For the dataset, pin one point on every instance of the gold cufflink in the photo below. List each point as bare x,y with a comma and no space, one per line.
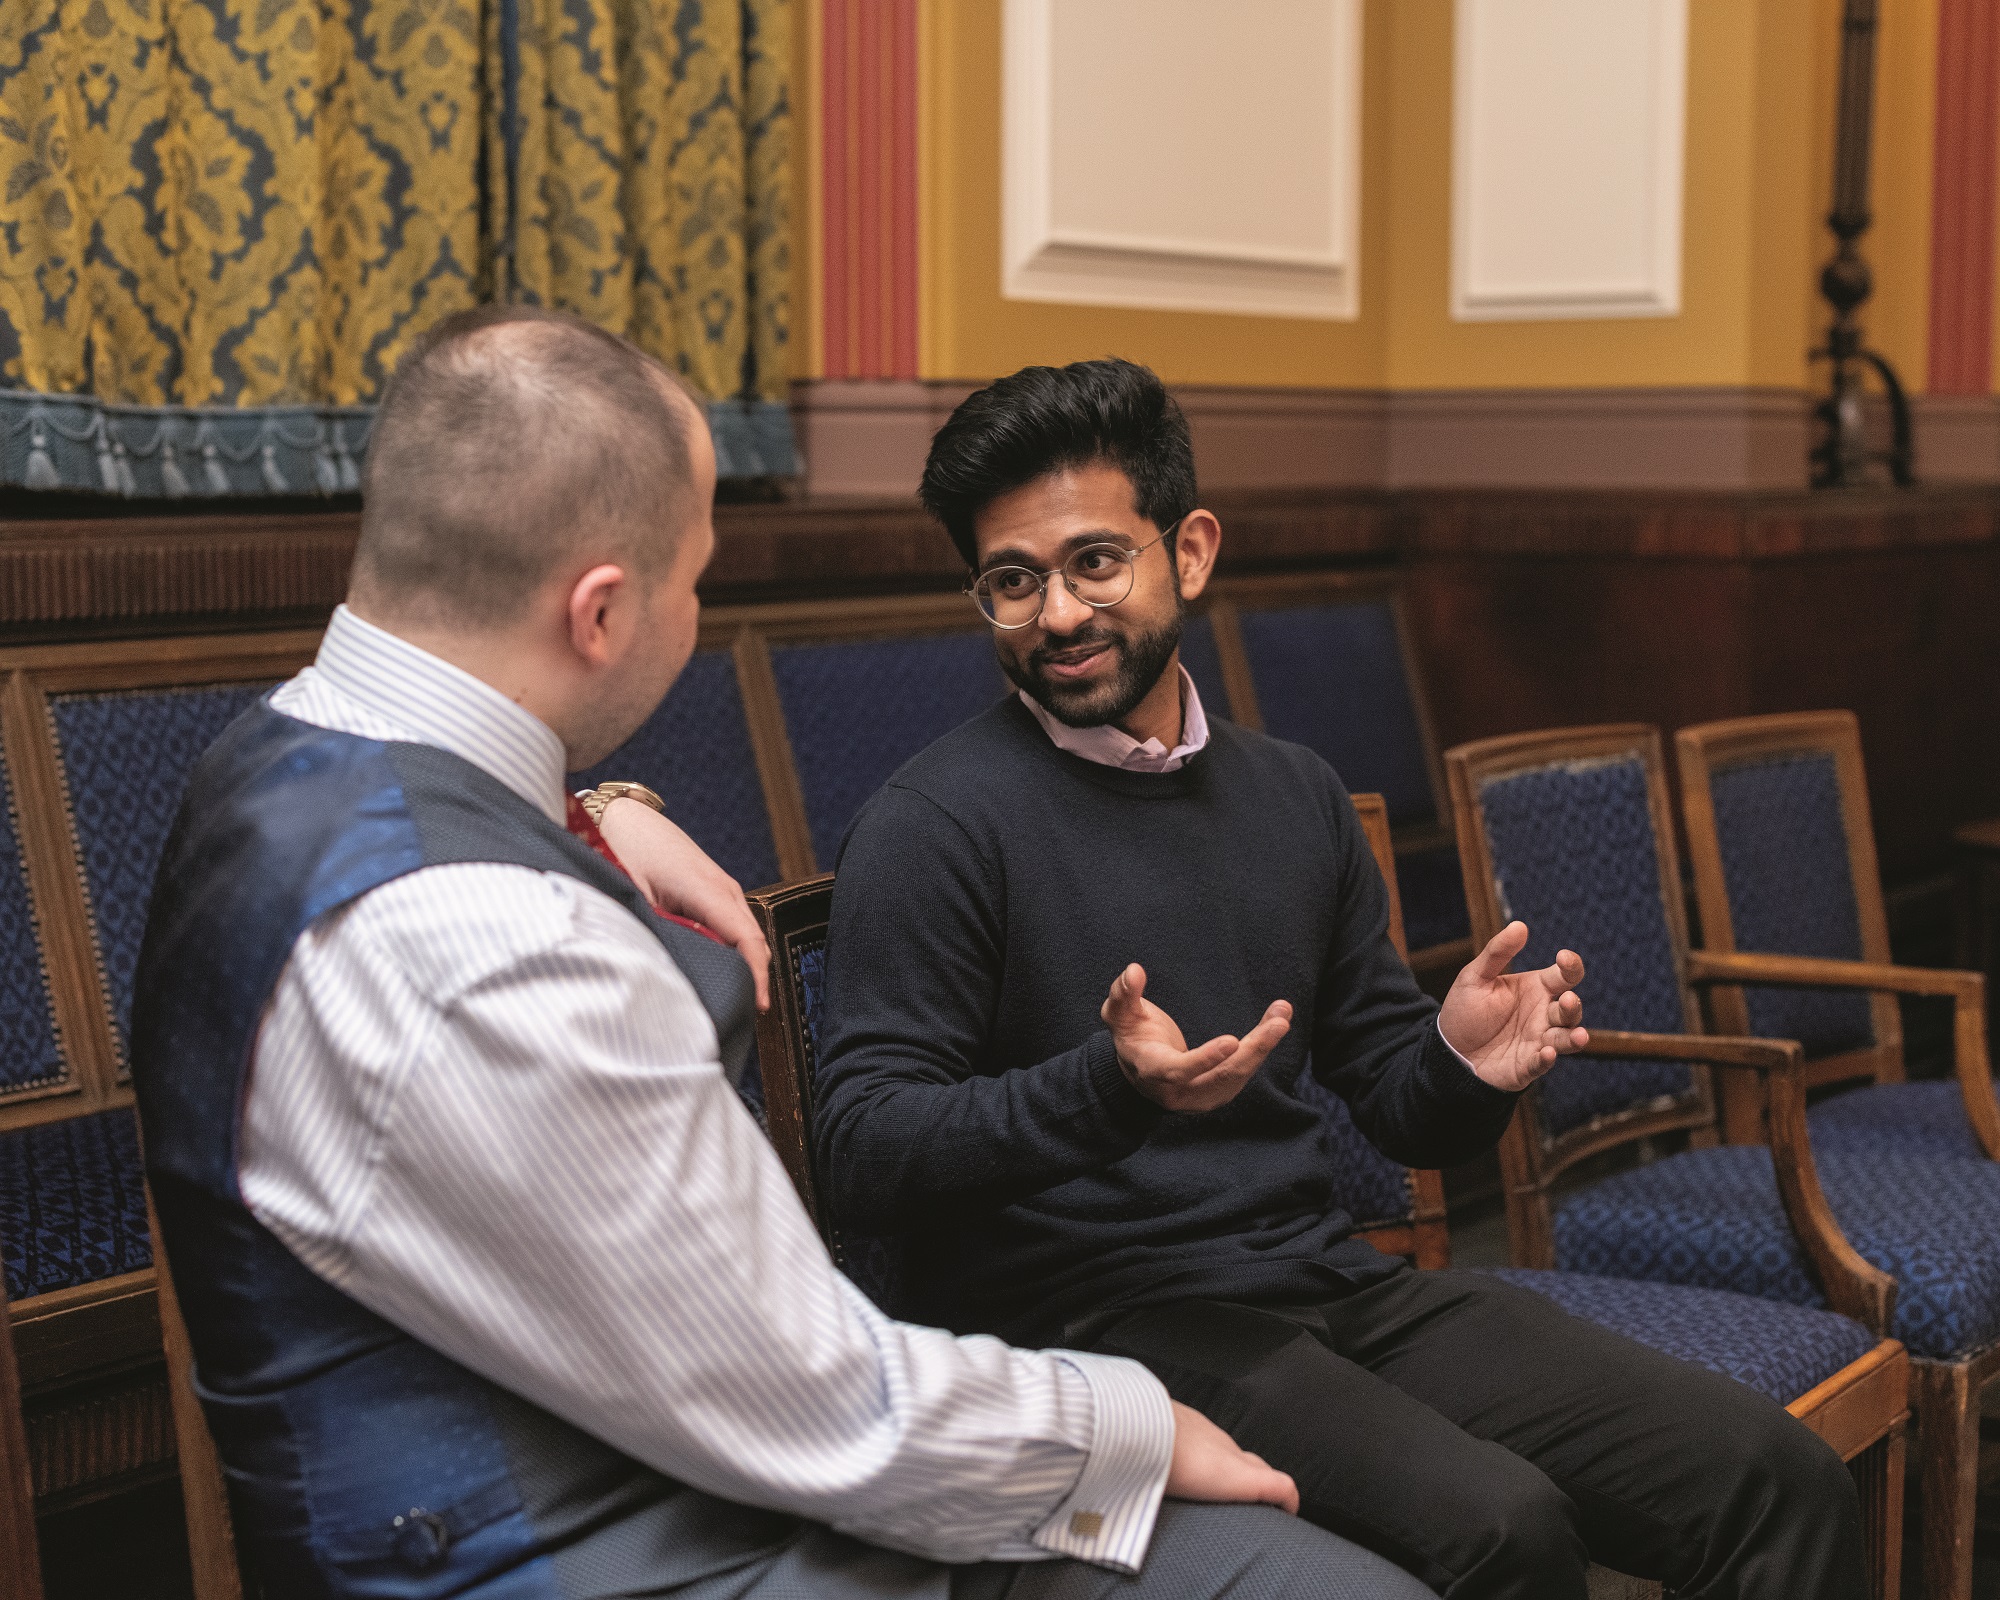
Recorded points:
1086,1524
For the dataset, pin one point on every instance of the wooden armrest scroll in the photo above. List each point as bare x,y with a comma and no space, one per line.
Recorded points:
1852,1285
1965,990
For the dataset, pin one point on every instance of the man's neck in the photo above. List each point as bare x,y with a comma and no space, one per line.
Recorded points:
1161,715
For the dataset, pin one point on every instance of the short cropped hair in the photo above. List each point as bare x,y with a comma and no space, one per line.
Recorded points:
511,440
1050,419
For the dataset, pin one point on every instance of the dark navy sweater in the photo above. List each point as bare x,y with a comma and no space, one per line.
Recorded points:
970,1099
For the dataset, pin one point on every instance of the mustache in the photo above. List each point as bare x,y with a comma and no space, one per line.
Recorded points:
1089,634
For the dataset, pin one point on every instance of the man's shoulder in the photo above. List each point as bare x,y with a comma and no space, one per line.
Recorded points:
1233,745
965,767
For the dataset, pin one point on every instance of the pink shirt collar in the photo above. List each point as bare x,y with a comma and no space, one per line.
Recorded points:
1113,747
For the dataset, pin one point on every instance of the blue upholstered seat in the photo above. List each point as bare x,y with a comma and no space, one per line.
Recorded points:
1782,1351
1712,1218
695,752
29,1052
855,712
1917,1119
126,758
72,1203
1433,897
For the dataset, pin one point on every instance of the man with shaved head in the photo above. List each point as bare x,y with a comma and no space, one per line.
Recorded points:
495,1289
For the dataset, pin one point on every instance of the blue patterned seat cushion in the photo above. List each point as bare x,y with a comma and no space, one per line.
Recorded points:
1903,1118
1712,1218
1433,897
1331,678
29,1055
72,1203
1791,892
1573,852
694,751
126,760
1782,1351
856,712
1367,1185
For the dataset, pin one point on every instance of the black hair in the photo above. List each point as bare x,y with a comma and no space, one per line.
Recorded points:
1048,419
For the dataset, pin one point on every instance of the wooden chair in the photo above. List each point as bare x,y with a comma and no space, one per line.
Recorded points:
1795,943
20,1550
1790,898
1853,1390
1570,831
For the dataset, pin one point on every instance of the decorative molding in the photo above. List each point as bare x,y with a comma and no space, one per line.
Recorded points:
1598,439
1958,438
1568,126
1060,244
868,188
1965,155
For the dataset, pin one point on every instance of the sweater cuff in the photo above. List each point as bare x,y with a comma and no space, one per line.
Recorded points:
1126,1110
1449,1078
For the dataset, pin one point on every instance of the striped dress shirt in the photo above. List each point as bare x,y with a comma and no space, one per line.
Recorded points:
486,1105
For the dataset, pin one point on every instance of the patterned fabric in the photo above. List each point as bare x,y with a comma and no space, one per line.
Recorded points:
1367,1185
1331,678
1573,851
1781,1351
1712,1218
694,751
223,221
1433,897
1204,665
857,712
72,1203
29,1052
1791,892
1896,1118
126,758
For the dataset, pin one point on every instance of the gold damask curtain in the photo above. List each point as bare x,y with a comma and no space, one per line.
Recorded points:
222,221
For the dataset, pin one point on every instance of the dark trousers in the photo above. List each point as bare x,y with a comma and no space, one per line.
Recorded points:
1494,1445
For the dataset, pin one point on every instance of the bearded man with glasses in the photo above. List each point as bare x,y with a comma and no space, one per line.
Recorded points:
1028,917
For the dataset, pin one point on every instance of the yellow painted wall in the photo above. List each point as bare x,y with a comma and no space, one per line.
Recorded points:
1761,88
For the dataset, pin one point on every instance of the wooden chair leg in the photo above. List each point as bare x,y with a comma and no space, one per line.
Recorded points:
1878,1475
20,1550
1947,1408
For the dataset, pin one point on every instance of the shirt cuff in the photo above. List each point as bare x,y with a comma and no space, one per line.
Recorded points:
1107,1517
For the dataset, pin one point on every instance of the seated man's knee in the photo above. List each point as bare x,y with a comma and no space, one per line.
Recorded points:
1523,1526
1253,1552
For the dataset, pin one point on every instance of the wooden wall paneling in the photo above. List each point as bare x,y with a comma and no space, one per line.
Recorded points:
77,993
784,802
20,1552
90,1328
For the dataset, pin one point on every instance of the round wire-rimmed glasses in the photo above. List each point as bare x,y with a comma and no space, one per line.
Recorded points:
1100,575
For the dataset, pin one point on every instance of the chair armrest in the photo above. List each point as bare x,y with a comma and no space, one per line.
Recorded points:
1965,990
1853,1285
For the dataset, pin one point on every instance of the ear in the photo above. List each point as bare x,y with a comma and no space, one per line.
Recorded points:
1195,549
598,625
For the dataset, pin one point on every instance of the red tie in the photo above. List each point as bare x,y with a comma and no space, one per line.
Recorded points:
578,822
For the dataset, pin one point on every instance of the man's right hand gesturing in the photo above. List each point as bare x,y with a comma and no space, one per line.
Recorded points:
1209,1465
1160,1065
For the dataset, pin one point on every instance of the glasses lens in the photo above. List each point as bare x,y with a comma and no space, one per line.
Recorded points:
1100,574
1010,596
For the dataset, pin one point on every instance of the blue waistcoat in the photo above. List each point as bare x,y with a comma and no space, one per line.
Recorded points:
361,1462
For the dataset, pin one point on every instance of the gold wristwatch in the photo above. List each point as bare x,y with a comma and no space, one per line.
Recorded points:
595,800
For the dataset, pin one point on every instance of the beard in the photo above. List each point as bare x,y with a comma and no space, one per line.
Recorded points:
1138,661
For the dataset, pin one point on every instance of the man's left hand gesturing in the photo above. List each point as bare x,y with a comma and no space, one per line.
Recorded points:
1512,1025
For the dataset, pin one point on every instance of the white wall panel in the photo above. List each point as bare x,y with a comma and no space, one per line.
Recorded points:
1184,154
1568,122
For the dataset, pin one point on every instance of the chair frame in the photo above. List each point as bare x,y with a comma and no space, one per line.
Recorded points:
20,1549
1947,1393
1533,1163
1700,752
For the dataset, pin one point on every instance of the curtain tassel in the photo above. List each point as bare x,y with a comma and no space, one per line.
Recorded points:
325,473
350,478
274,480
173,482
107,468
212,470
122,466
42,472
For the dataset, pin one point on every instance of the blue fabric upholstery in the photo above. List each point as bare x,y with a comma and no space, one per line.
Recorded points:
1712,1218
857,712
1791,892
694,751
126,759
1204,665
1433,897
1781,1351
1367,1185
1896,1118
1331,678
1572,849
72,1203
29,1054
